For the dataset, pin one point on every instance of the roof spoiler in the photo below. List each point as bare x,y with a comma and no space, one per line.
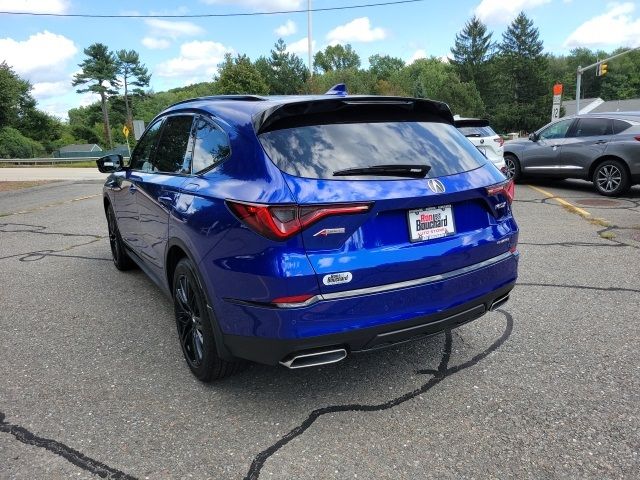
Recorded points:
343,109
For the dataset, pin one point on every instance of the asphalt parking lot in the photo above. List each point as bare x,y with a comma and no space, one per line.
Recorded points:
93,383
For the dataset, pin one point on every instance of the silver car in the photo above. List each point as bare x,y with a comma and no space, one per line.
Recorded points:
603,148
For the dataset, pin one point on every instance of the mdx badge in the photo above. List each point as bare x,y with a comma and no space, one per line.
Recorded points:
435,185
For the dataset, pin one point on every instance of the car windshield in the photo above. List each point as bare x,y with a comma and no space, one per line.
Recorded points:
318,151
477,131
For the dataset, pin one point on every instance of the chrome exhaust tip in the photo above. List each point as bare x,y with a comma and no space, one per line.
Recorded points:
498,302
314,359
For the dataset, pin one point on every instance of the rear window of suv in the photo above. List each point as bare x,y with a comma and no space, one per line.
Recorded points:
477,131
317,151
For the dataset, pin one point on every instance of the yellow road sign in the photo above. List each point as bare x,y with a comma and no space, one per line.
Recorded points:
125,131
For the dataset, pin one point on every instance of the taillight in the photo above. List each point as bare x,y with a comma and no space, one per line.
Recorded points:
280,222
506,188
637,137
499,141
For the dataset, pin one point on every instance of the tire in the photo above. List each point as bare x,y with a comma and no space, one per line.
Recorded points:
611,178
121,258
513,167
195,331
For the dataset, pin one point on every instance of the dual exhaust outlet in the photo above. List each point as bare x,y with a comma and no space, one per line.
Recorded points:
334,355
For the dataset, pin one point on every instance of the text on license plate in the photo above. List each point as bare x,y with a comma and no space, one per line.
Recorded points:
432,222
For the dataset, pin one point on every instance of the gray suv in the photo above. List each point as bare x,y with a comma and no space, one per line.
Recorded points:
603,148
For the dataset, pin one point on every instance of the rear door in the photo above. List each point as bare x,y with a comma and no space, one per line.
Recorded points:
415,227
586,141
160,186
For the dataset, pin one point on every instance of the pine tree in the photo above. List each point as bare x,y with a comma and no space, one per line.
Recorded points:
471,51
524,77
133,74
100,74
285,72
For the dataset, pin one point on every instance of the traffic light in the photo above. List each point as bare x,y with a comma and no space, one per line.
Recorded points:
602,70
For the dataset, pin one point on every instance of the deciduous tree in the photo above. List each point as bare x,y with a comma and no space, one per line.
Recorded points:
336,57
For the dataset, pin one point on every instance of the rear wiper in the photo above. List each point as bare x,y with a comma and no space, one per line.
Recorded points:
472,135
411,171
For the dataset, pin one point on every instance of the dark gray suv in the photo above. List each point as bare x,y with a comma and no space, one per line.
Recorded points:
603,148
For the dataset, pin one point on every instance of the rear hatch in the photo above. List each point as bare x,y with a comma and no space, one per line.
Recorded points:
480,133
423,206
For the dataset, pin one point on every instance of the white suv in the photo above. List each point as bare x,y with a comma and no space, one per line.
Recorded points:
480,133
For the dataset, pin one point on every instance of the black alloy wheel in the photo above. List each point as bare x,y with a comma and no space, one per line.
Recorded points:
194,326
121,258
611,178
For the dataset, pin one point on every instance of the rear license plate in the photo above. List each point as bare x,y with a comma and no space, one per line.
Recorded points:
432,222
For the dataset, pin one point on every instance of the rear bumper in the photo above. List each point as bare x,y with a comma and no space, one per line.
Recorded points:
368,320
271,351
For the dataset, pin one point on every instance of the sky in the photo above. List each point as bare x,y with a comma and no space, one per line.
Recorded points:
180,51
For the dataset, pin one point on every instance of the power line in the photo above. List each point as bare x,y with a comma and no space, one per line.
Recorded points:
209,15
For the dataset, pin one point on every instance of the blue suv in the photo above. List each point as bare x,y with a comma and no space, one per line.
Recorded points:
300,229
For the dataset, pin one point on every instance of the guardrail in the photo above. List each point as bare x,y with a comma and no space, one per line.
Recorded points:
46,161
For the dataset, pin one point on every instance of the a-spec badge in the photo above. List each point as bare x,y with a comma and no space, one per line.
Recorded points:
337,278
328,231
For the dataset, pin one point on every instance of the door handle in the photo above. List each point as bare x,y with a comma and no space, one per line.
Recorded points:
165,200
600,142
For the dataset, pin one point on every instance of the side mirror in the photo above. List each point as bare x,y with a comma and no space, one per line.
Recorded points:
110,163
533,137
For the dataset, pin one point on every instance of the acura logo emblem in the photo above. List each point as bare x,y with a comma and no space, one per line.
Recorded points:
435,185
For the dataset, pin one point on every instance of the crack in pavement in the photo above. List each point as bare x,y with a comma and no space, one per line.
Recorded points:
580,287
74,456
41,254
55,204
439,375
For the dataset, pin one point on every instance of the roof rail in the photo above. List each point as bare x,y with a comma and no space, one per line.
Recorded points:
245,98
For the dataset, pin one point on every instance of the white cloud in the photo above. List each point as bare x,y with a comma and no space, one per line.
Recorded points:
197,60
418,54
358,30
301,46
171,29
289,28
154,43
614,27
40,58
259,5
39,6
42,90
500,11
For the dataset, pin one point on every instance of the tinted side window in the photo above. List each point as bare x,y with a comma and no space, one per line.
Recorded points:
171,153
593,127
620,126
557,130
143,153
211,145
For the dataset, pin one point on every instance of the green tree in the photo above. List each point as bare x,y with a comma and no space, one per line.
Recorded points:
623,78
523,75
15,145
239,76
434,79
284,72
336,57
134,74
472,51
385,66
100,75
15,97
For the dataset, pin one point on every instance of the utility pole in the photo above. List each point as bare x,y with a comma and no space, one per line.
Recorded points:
309,41
581,70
